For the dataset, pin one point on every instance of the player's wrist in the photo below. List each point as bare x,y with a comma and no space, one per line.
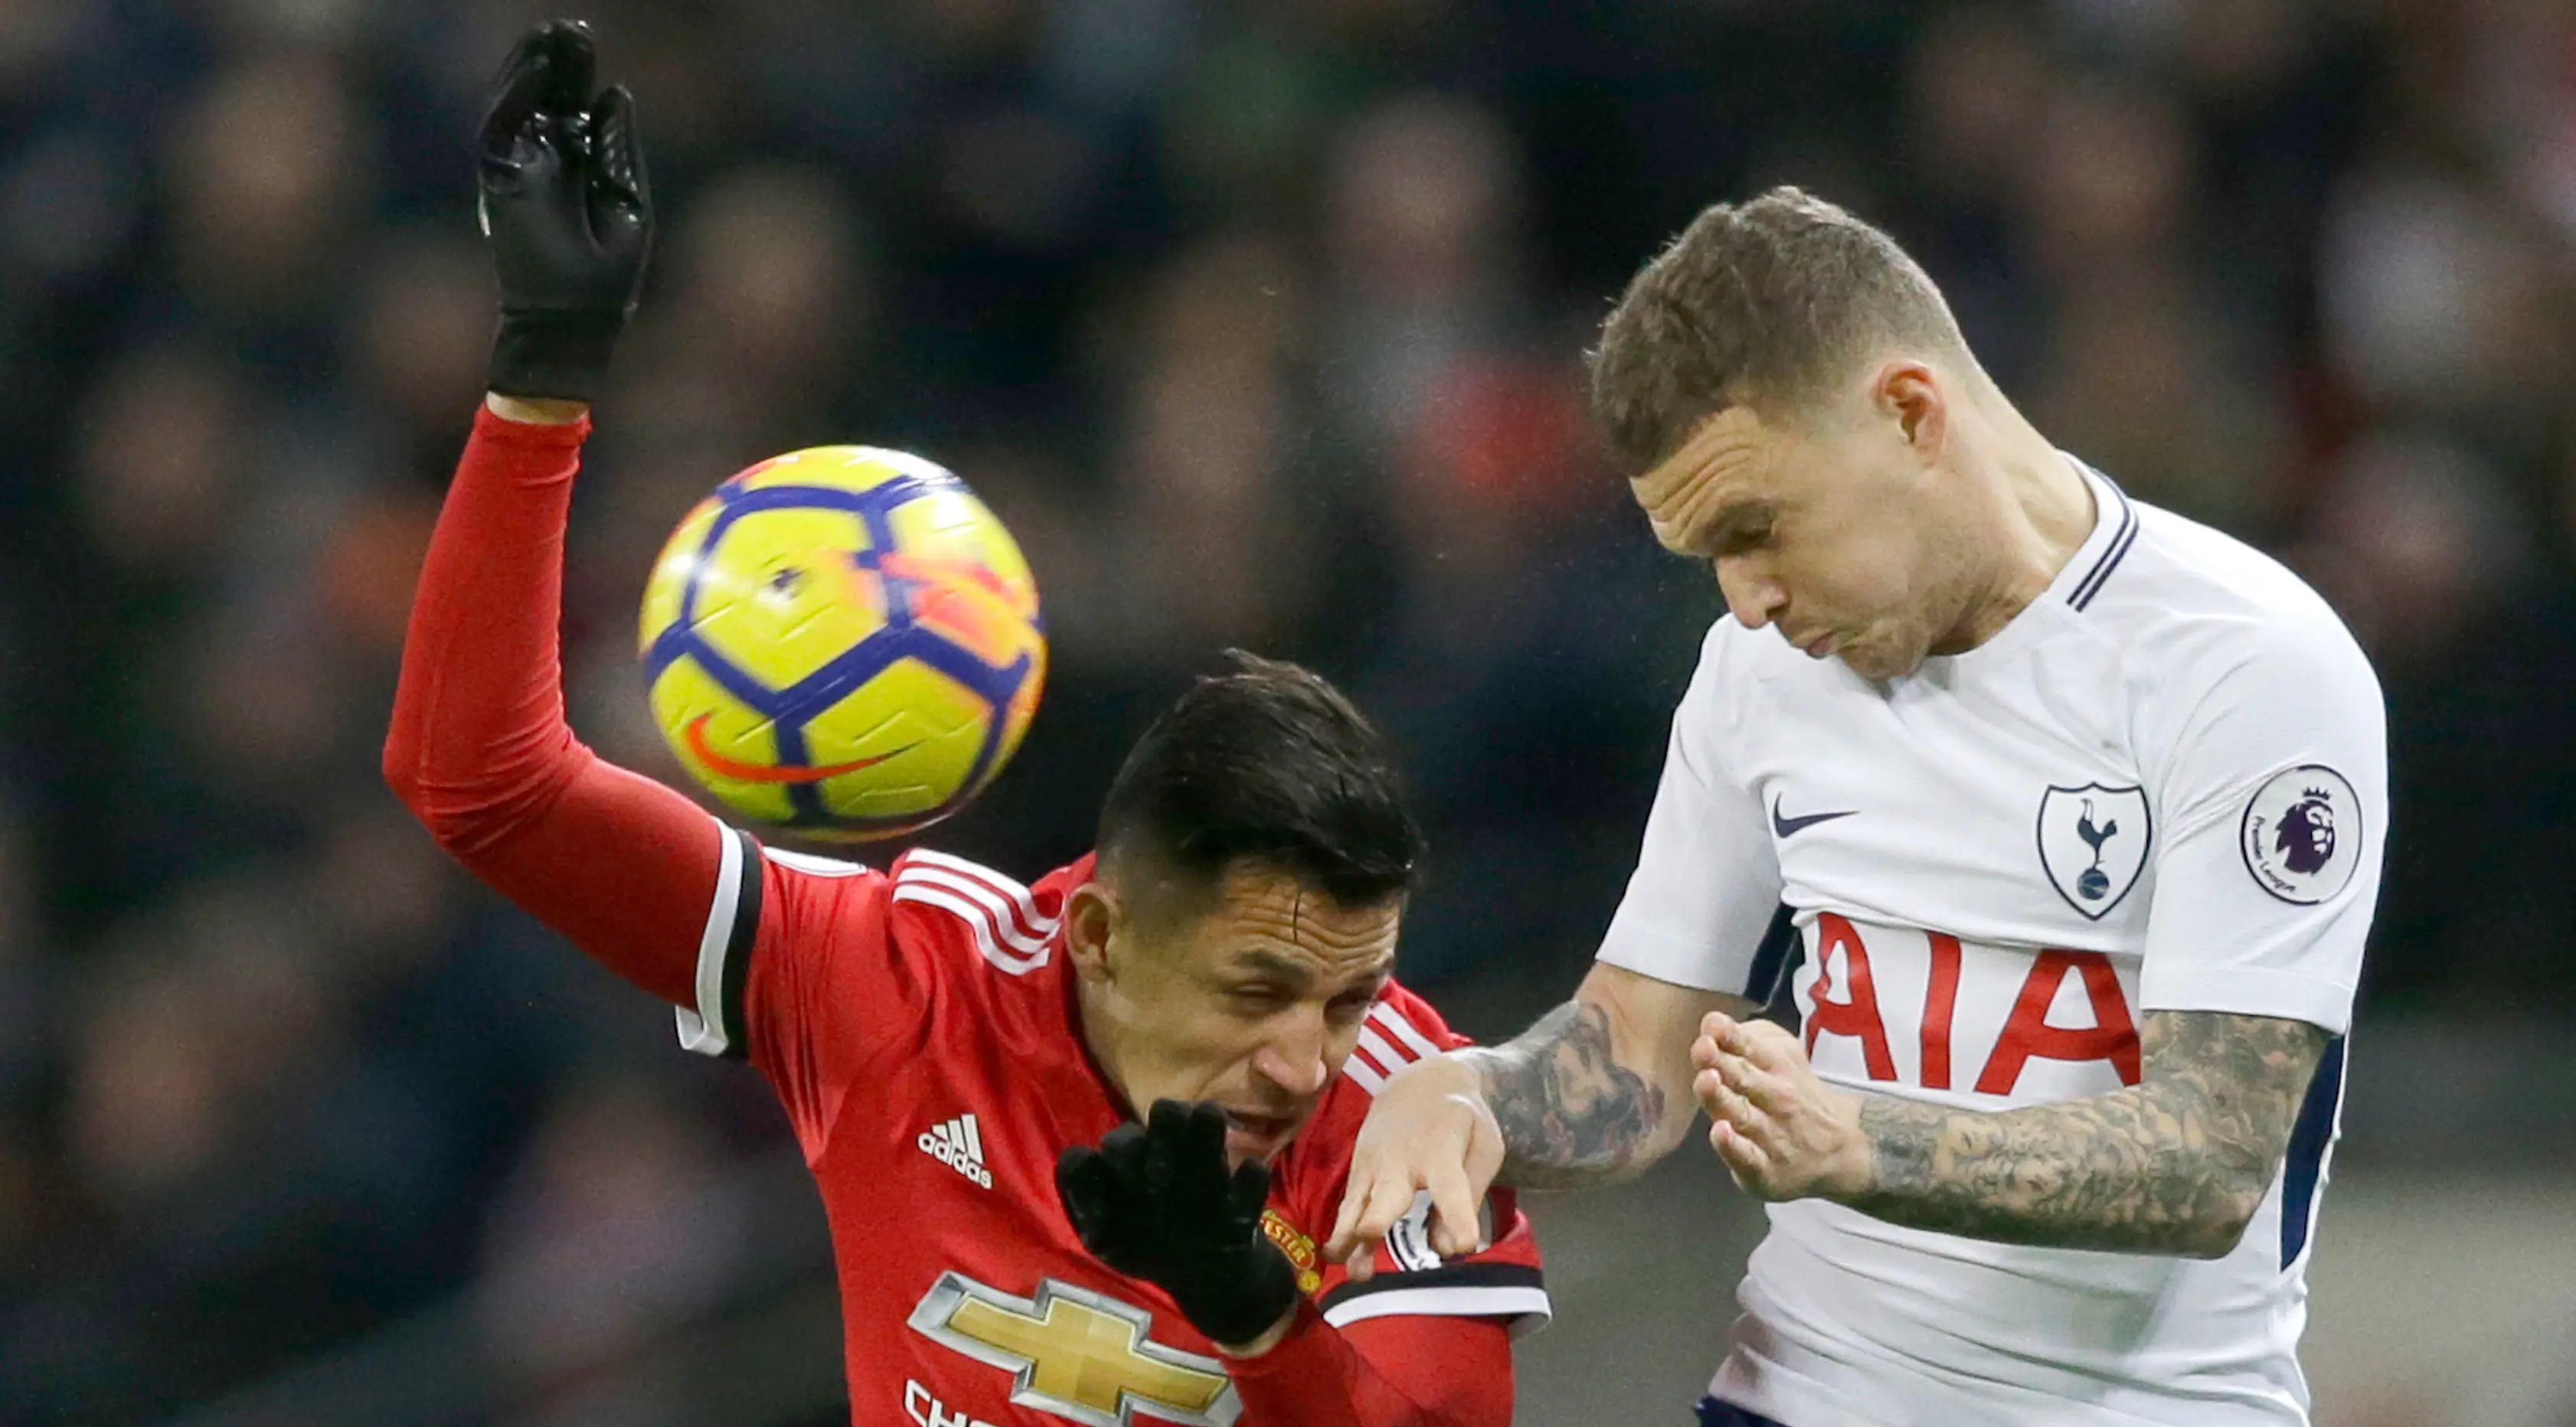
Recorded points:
1251,1291
535,410
1278,1333
1464,1074
1851,1172
561,357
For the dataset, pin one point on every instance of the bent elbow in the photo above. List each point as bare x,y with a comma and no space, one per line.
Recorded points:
407,773
2214,1242
2218,1233
400,765
464,815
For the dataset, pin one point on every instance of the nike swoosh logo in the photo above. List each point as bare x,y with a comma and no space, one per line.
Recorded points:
1790,827
695,735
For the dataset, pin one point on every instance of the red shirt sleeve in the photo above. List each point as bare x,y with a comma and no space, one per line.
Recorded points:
810,979
1388,1372
790,959
480,752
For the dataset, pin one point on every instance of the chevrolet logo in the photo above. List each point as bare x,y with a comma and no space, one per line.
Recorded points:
1078,1354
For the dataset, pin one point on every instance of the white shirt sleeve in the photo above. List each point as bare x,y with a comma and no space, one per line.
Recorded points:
2274,808
1708,876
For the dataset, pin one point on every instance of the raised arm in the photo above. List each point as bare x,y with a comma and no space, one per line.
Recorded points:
2176,1164
478,748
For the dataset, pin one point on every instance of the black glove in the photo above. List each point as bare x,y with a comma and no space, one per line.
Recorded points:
569,217
1155,1202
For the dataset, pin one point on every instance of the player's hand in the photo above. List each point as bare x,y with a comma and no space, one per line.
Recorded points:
1428,1128
1783,1132
1156,1202
570,220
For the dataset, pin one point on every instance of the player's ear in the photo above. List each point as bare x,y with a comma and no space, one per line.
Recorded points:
1909,392
1092,916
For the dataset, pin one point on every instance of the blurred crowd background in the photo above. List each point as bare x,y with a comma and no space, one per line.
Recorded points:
1260,322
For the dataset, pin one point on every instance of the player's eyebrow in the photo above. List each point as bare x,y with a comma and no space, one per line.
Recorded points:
1272,964
1731,522
1299,976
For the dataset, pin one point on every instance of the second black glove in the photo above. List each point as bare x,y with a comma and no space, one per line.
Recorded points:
1156,1202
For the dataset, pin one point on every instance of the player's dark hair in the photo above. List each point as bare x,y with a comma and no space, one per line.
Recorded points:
1266,763
1763,304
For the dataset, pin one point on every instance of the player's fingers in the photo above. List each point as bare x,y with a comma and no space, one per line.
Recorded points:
1724,1104
1744,1159
1755,1084
1771,1047
1454,1227
1085,1182
1167,1142
1710,1086
574,62
1199,1152
515,94
1124,1148
1704,1051
621,212
1733,1036
1390,1199
1347,1235
1249,1189
1382,1186
1337,1244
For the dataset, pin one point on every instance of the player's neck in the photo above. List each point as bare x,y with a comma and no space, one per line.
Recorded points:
2042,514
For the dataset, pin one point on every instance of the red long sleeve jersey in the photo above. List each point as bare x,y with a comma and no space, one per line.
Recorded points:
920,1027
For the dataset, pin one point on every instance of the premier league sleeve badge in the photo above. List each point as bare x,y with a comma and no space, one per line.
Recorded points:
2302,834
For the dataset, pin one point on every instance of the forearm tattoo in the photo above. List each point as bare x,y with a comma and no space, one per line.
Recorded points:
1570,1114
2175,1164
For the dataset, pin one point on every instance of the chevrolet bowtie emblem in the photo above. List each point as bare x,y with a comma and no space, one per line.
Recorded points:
1078,1354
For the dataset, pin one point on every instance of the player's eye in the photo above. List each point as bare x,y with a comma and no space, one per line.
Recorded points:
1354,1003
1745,539
1259,997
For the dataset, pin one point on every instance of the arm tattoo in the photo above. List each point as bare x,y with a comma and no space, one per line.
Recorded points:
2175,1164
1570,1114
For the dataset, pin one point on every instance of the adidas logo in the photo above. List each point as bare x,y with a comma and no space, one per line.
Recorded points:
957,1145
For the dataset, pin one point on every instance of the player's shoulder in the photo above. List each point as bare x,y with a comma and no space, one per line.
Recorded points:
940,911
1401,1029
976,919
2190,605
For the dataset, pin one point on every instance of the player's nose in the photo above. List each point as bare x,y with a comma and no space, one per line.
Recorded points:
1752,597
1294,1061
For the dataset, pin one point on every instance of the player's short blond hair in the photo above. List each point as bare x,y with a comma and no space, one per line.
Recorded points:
1764,304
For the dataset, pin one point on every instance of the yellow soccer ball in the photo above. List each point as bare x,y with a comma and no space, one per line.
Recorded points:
843,641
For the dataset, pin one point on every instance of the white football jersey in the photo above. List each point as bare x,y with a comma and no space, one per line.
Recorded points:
2161,787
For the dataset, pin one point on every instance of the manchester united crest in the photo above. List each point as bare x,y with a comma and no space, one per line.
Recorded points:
1299,1249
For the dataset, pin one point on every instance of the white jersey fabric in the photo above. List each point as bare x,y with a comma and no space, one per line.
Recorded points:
2161,787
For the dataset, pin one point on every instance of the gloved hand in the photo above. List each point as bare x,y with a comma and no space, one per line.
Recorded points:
1155,1202
564,204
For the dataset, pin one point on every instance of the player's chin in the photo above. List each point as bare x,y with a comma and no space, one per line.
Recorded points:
1880,660
1250,1136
